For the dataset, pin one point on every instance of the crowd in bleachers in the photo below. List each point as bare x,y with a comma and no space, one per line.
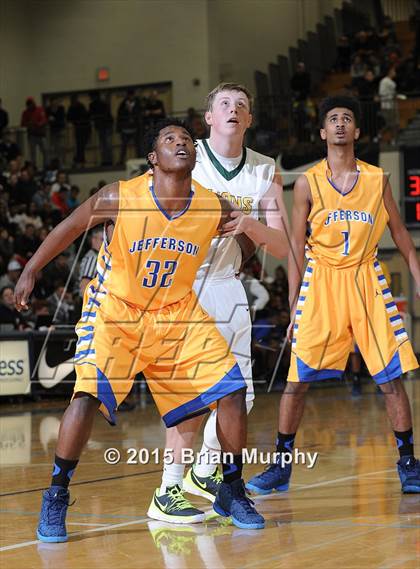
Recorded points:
377,74
46,126
31,204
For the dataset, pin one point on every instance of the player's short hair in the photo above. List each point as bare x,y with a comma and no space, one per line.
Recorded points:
343,101
228,87
153,134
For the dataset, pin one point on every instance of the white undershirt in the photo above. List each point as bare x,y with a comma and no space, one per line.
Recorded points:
229,163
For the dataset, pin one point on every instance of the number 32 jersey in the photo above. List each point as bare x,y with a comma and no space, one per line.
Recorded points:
153,257
344,229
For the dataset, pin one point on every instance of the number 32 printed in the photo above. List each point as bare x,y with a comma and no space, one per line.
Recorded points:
155,278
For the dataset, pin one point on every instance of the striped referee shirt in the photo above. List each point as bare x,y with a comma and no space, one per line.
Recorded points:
88,266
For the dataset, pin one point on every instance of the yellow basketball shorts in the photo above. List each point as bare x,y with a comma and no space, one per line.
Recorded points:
186,361
337,306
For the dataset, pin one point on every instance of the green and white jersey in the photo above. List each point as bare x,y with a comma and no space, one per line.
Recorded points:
242,180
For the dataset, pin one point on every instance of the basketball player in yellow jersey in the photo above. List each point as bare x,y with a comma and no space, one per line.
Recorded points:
140,314
345,205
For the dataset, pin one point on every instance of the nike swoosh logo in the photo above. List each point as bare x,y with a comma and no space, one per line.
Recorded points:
202,485
161,506
49,376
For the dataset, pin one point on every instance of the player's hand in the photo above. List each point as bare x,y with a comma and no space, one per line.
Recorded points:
237,224
23,289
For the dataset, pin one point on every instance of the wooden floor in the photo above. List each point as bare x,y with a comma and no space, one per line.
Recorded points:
347,511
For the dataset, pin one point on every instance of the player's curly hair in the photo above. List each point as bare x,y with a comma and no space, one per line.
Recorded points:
342,101
153,133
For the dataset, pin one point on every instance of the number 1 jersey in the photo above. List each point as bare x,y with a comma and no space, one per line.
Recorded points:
344,229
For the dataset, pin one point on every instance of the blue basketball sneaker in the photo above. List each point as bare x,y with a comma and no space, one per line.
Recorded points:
409,472
274,477
52,519
231,500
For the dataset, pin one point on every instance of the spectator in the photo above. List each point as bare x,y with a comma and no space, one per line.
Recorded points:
7,243
41,288
60,200
14,270
61,181
87,269
35,120
357,69
128,123
26,187
280,284
8,312
27,243
78,115
100,114
41,198
60,305
300,83
57,122
29,216
9,150
368,95
58,267
4,118
154,110
387,94
73,199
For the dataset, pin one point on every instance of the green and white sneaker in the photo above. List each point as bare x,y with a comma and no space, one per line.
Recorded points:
206,486
173,507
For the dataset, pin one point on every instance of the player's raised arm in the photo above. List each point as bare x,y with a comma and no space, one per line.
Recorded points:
400,235
101,207
296,258
273,236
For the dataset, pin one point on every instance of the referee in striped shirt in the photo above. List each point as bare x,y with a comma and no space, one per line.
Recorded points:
87,269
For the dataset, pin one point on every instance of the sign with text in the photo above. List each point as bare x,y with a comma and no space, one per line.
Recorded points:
14,367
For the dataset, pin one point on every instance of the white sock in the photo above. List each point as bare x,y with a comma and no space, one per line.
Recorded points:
205,465
172,474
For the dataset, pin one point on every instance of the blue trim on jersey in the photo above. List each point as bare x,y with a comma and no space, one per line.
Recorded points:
386,290
106,395
390,304
230,382
84,338
163,210
88,314
84,353
395,318
302,297
305,283
400,331
307,373
87,328
92,300
390,372
298,312
351,189
309,269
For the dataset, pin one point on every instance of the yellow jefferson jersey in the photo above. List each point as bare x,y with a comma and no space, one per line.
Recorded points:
153,257
345,228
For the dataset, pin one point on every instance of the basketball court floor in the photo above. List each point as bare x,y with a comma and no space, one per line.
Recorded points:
346,512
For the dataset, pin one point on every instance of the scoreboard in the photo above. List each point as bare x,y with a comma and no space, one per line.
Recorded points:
411,185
